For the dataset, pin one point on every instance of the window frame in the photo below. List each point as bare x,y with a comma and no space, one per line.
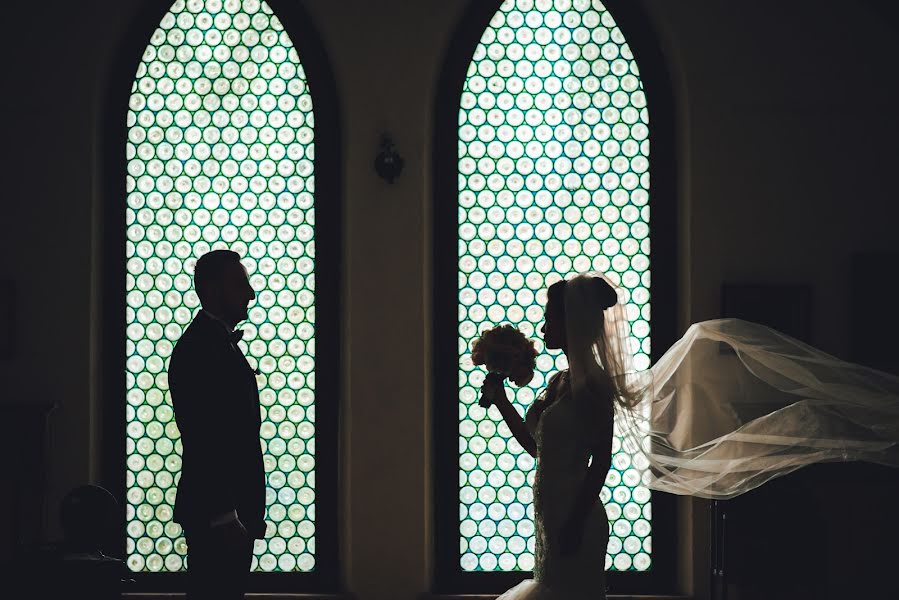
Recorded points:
643,41
110,266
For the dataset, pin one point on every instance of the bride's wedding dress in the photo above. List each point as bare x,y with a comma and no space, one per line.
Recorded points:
563,437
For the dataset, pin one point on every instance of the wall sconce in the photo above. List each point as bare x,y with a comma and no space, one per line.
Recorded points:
388,162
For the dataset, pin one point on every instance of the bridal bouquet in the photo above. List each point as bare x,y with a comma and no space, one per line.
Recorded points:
506,353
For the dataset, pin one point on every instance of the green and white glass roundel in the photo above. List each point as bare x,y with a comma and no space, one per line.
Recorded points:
553,180
220,155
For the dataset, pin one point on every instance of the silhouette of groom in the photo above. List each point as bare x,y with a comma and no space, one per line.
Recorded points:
221,494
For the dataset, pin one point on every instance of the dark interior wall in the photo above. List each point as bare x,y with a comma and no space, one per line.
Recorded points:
790,166
789,170
787,133
59,53
826,532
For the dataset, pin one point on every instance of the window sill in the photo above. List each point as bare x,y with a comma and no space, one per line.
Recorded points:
609,597
288,596
249,596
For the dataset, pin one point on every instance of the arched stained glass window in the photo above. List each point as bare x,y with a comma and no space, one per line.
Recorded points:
221,155
553,175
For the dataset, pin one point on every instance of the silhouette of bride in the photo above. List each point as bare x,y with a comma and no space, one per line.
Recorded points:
729,406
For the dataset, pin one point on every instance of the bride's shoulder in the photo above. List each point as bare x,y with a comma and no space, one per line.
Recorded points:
554,384
558,378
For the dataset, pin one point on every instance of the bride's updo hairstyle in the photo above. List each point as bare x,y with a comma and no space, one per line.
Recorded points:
606,293
596,336
603,293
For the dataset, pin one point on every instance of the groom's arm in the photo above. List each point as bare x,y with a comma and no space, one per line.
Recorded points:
199,398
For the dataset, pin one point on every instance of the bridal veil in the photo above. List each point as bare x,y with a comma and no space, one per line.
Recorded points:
732,404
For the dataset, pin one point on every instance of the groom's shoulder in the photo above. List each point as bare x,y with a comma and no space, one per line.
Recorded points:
200,334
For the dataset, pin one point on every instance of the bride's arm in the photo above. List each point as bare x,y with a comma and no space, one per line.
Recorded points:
588,494
494,390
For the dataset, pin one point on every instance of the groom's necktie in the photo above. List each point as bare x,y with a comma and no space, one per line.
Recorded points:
234,337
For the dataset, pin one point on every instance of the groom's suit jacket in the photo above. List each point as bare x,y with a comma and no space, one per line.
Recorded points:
216,404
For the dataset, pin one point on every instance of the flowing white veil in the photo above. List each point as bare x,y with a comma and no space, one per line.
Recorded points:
732,404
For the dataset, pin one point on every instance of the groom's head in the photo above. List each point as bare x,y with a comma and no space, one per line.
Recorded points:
223,286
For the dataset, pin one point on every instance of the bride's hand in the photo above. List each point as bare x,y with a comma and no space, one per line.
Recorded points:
491,389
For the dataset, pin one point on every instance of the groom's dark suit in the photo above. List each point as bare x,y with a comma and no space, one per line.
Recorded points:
216,404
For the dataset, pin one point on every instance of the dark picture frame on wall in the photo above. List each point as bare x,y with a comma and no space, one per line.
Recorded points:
7,318
874,324
786,307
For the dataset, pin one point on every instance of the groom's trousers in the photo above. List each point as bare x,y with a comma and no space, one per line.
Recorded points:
216,570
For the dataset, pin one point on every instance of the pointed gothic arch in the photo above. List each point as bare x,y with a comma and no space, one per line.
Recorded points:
229,136
541,169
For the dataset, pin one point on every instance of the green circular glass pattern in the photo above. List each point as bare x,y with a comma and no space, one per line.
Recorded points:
220,155
553,180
